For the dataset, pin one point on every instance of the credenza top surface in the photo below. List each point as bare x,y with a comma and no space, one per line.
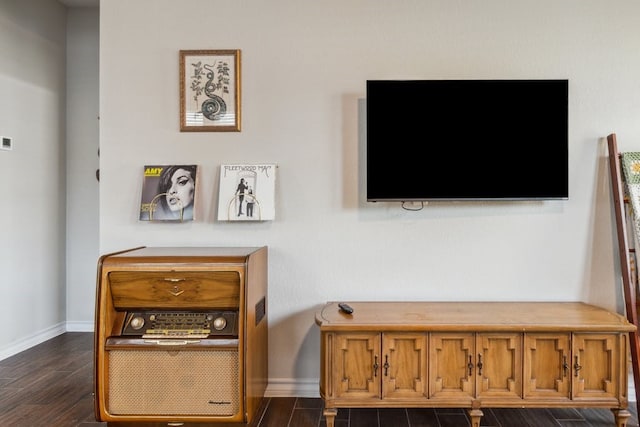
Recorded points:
471,316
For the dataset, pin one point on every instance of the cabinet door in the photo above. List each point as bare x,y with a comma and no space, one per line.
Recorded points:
596,363
356,372
547,370
499,366
451,366
404,366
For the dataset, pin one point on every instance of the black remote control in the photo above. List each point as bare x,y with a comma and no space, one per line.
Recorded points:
345,308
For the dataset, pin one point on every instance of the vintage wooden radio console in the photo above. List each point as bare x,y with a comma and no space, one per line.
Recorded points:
181,335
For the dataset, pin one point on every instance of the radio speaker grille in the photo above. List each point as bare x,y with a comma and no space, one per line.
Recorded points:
173,382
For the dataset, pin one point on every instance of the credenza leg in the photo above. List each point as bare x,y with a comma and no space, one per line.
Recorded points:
330,415
622,415
475,415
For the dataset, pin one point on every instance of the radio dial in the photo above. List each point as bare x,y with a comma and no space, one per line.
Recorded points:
220,323
137,322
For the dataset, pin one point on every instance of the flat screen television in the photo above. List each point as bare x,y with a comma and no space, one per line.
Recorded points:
466,140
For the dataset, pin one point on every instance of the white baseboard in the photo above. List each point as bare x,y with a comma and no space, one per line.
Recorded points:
80,326
44,335
289,387
32,340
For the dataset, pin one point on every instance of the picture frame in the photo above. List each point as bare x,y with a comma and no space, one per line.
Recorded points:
210,90
247,192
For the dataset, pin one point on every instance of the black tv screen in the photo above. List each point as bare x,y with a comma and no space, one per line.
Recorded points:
467,140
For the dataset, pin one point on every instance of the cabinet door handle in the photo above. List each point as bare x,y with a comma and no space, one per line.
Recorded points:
576,367
375,366
565,366
470,365
386,365
479,364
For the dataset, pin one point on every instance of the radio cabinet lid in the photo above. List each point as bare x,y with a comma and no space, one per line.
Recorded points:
181,255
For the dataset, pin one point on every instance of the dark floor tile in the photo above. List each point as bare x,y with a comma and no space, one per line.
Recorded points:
602,418
278,412
511,418
422,417
488,419
78,414
337,423
453,420
574,423
363,417
393,417
343,414
540,416
305,417
308,402
566,414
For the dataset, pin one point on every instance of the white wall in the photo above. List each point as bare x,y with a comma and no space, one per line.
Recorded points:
82,161
49,246
304,67
32,175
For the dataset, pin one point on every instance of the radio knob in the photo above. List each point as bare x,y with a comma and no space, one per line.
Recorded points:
220,323
137,322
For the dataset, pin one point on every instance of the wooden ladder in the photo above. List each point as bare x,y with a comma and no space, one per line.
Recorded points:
627,257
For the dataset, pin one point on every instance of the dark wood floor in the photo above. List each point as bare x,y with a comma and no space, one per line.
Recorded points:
51,385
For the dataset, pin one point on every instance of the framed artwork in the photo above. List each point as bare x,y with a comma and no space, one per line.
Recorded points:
247,192
168,193
210,90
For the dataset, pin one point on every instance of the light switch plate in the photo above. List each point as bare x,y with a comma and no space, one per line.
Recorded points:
7,143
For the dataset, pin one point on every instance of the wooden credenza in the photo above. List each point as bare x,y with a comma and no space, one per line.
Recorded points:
473,355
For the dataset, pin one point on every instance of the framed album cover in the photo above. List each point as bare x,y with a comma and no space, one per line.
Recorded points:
168,193
247,192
